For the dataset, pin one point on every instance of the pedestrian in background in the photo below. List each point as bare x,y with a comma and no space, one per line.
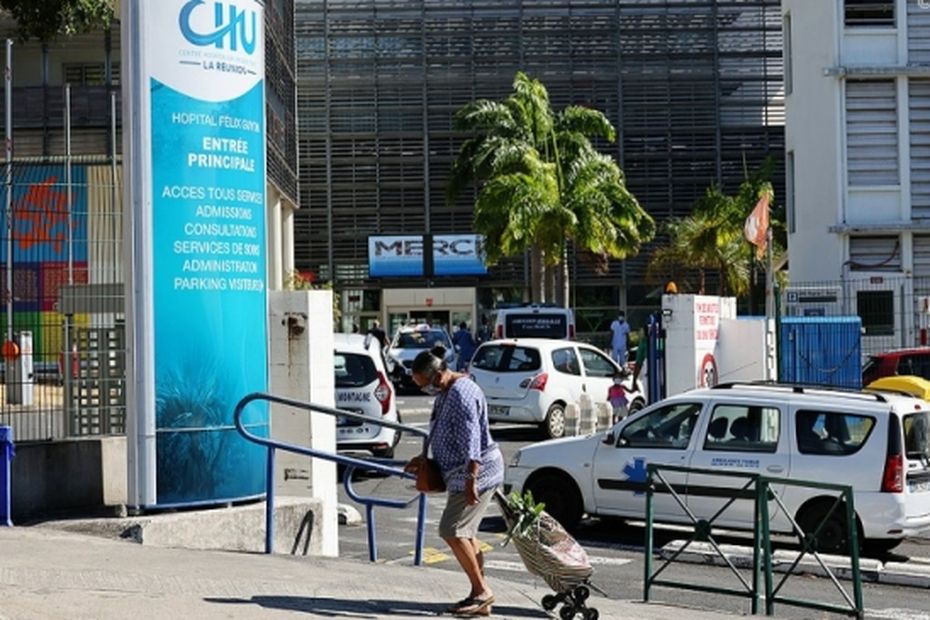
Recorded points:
471,465
619,330
465,345
642,353
616,395
484,332
379,333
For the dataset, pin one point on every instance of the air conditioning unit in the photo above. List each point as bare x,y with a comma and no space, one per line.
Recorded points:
813,301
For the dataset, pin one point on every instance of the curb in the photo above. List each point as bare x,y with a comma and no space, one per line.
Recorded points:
896,573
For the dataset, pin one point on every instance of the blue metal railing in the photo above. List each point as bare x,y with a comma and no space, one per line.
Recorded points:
350,463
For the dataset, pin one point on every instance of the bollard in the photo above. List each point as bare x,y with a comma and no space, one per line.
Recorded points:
572,417
7,451
605,415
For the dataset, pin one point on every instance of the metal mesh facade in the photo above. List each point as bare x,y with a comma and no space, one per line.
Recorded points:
694,87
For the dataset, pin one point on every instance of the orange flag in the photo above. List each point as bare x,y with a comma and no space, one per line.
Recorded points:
756,227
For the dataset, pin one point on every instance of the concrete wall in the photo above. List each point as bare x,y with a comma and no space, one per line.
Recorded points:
301,333
86,475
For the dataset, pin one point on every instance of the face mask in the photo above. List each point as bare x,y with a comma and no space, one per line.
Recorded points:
618,381
621,319
430,390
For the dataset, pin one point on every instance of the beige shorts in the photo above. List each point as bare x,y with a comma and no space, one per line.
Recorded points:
459,520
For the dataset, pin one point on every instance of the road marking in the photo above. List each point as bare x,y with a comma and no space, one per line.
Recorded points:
431,555
898,614
505,565
602,561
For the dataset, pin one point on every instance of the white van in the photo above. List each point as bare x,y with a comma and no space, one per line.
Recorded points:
876,442
535,321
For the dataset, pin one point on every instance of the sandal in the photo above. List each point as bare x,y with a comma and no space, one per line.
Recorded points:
473,606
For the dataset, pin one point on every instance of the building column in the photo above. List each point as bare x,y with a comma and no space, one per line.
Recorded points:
287,239
275,262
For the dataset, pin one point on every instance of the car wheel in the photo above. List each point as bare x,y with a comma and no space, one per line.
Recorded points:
560,495
554,425
833,537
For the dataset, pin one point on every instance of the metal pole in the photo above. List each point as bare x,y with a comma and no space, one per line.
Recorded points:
647,561
372,536
9,193
114,199
421,530
68,182
269,503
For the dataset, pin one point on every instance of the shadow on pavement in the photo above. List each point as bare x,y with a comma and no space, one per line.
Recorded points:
375,608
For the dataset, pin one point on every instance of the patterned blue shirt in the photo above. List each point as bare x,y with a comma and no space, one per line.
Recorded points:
460,434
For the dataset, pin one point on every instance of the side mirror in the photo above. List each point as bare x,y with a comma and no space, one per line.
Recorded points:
609,439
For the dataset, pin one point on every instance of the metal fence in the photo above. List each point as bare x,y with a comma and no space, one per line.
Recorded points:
61,275
894,308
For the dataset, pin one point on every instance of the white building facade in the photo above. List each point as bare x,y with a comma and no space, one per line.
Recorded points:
857,84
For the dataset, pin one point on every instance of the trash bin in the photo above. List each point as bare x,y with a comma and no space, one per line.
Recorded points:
7,451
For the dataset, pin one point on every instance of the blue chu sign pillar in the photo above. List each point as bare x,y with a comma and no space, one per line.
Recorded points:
197,296
7,451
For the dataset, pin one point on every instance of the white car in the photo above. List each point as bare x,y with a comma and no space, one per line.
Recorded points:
362,387
531,380
879,443
408,342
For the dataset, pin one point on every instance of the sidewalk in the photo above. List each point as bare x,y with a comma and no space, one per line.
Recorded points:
52,574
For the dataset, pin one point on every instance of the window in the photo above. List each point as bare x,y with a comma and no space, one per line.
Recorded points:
667,427
506,359
871,132
829,433
881,253
876,309
743,428
917,435
869,13
596,364
422,340
918,365
354,371
89,73
787,53
565,361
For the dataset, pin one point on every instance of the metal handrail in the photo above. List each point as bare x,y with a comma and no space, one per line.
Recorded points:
351,463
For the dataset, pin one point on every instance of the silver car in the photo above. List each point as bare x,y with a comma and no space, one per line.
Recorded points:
408,342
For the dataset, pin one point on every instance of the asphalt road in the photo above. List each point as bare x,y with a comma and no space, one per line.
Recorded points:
615,547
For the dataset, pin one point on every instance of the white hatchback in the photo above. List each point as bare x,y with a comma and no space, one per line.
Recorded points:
531,380
878,443
362,387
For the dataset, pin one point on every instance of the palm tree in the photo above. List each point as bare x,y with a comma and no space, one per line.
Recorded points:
711,238
542,185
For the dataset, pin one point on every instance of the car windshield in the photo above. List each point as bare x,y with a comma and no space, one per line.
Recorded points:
530,325
917,435
425,339
354,370
504,358
871,364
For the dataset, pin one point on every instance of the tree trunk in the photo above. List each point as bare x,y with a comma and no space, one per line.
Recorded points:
537,275
550,283
566,300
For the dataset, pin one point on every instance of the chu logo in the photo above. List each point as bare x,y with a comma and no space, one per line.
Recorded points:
229,23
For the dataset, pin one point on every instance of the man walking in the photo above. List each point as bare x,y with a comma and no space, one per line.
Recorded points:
619,330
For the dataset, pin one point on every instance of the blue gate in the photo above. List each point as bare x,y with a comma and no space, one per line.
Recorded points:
821,350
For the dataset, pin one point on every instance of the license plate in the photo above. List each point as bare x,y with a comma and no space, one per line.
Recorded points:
499,410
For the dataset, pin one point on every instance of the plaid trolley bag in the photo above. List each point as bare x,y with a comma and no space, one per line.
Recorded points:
550,552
